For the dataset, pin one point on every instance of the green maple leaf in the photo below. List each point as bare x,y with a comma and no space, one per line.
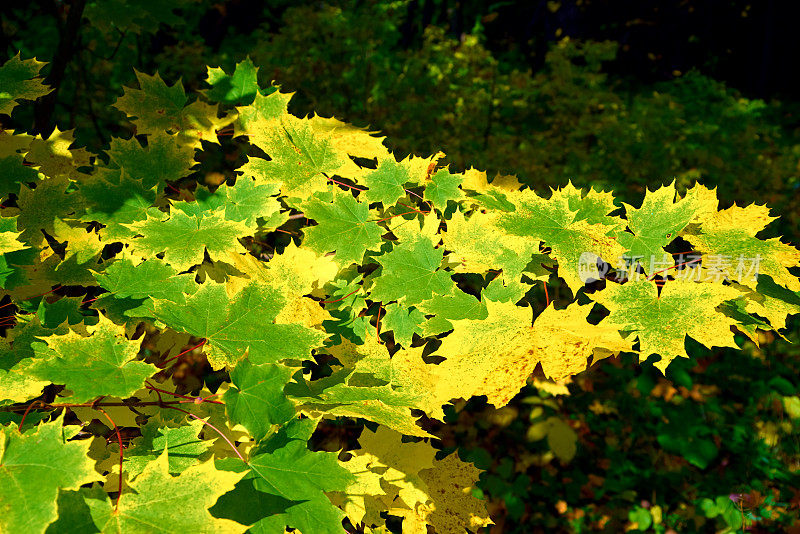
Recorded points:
309,473
662,322
238,89
40,207
183,238
386,182
115,205
411,273
592,207
286,487
443,187
244,201
33,468
157,106
155,495
570,238
404,322
18,81
164,159
53,314
256,399
345,302
16,357
150,279
102,363
183,446
453,306
344,226
239,325
655,224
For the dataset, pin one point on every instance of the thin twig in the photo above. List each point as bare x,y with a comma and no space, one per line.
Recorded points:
213,427
121,452
184,352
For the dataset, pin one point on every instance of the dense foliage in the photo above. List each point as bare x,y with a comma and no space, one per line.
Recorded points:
735,463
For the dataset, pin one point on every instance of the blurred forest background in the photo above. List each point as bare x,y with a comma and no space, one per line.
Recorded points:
618,95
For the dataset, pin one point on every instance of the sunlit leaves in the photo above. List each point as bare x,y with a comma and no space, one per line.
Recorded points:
33,468
325,280
102,363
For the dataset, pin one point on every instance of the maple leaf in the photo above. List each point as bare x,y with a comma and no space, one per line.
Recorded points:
245,201
404,322
592,207
42,206
256,399
656,223
286,487
82,243
19,81
257,119
362,499
163,160
34,466
570,238
239,325
102,363
381,404
115,205
420,488
344,226
156,495
156,105
302,159
184,237
491,356
398,464
411,273
386,182
565,339
748,324
772,301
373,386
16,357
238,89
662,321
183,447
443,187
150,279
159,108
495,355
455,305
467,239
730,237
453,509
54,155
297,271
